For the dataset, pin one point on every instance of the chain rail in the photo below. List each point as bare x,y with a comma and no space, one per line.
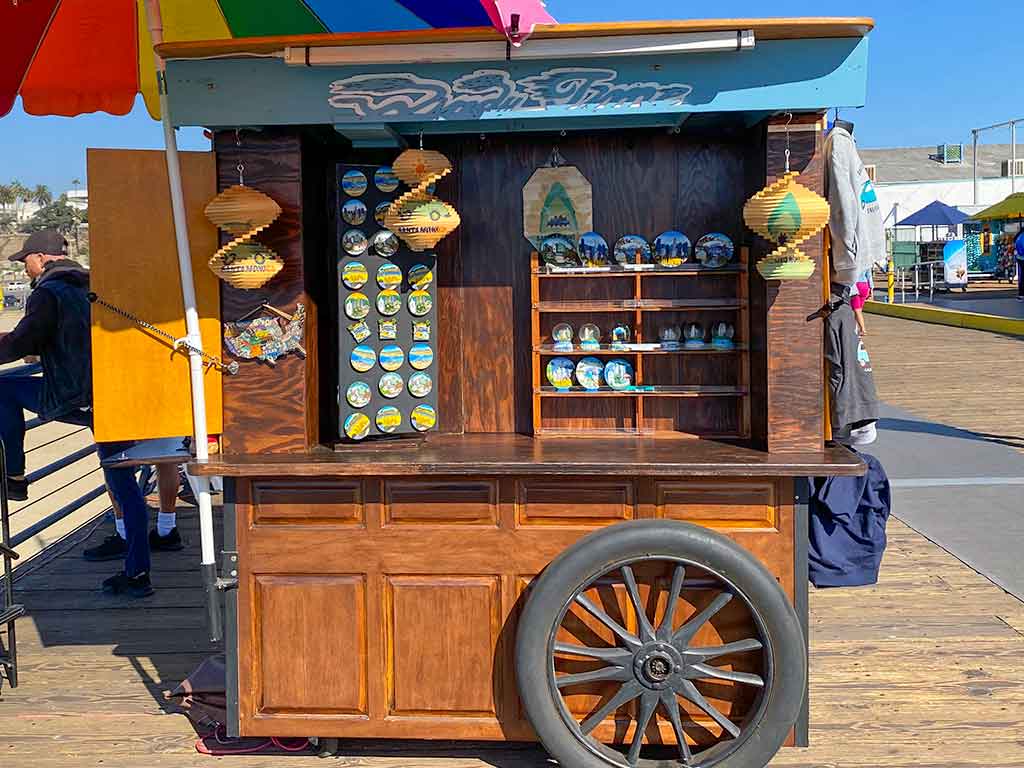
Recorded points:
216,362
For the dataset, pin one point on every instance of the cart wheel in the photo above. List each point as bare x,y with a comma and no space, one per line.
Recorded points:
671,628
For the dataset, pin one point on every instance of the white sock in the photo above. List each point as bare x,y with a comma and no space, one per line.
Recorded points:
165,522
119,524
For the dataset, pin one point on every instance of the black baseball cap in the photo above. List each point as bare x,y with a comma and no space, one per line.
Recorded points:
48,241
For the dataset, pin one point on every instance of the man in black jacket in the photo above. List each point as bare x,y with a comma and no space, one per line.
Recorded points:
56,328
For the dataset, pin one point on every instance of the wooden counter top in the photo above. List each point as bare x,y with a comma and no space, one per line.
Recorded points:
512,454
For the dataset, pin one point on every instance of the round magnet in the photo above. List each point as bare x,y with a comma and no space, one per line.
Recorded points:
381,211
354,212
420,303
390,385
389,419
420,277
421,356
354,242
391,357
354,275
357,426
593,250
420,384
632,249
357,305
353,183
389,302
389,275
363,358
714,250
385,243
671,249
423,417
358,394
559,372
385,179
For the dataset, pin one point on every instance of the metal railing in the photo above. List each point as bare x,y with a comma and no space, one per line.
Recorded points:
921,274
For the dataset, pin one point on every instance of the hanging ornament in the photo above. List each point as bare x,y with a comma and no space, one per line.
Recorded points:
258,337
557,200
419,218
244,212
787,214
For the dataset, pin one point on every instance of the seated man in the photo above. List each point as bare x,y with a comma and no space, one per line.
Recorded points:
56,328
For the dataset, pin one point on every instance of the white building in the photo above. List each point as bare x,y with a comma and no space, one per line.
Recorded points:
78,199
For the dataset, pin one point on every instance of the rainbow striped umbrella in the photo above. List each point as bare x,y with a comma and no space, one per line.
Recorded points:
68,57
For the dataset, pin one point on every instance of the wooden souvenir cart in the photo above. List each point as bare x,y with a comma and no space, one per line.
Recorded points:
541,562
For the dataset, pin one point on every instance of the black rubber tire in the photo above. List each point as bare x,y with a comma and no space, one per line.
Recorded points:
593,555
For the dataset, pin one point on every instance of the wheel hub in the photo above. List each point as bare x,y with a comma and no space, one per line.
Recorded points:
654,664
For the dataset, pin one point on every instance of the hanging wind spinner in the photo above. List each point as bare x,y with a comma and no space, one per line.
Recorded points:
417,217
243,213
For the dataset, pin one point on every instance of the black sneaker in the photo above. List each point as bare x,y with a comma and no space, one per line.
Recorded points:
169,543
133,586
17,490
112,548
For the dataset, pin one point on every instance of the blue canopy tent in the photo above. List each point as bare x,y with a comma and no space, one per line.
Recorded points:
934,215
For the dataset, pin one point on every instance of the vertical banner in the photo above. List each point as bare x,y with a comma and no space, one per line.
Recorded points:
954,257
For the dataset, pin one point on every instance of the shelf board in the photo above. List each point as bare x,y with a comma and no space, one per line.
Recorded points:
687,270
605,350
630,305
685,390
661,434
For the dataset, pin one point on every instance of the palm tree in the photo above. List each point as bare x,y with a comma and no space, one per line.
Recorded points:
21,195
41,194
6,196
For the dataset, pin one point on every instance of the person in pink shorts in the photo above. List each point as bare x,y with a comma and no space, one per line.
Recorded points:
861,293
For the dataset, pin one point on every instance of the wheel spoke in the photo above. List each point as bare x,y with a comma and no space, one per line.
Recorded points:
625,694
668,701
703,671
687,632
694,655
689,691
665,629
618,656
648,703
593,676
623,634
646,630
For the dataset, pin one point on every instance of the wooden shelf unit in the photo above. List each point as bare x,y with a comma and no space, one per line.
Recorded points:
673,398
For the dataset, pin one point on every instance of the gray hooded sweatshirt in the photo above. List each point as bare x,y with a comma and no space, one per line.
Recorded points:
858,236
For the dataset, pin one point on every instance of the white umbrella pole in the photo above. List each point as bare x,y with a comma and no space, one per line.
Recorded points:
193,337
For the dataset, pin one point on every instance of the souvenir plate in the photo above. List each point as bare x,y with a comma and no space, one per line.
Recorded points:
354,275
389,419
561,334
423,418
588,373
421,330
358,394
363,358
618,374
420,277
714,250
590,337
385,242
559,251
632,249
354,212
559,372
389,302
354,242
381,211
391,357
353,183
387,329
360,330
385,179
420,384
593,250
389,276
421,356
671,249
420,303
391,385
357,426
357,305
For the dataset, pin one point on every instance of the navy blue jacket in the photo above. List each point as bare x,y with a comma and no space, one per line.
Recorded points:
56,327
847,527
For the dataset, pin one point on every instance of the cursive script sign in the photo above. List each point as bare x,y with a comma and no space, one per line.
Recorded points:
405,96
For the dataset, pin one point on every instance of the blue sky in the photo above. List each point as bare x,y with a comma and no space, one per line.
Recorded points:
937,69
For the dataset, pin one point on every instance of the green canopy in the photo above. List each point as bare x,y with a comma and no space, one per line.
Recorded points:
1010,208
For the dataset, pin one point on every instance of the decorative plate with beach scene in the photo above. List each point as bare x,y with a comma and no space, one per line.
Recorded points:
588,372
354,242
354,212
354,275
671,249
420,384
420,303
593,250
558,251
358,394
363,358
559,372
391,357
353,183
714,250
389,302
357,426
632,249
385,179
357,305
385,242
423,418
421,356
420,277
388,419
618,374
390,385
389,276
